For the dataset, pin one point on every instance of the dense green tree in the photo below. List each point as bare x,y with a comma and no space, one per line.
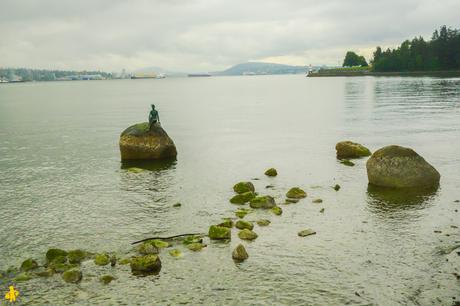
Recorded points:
352,59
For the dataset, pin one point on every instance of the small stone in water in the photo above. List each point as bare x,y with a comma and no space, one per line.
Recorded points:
347,162
321,210
336,187
239,253
175,253
72,276
197,246
317,201
101,259
247,234
271,172
177,205
277,210
263,222
306,232
290,201
242,224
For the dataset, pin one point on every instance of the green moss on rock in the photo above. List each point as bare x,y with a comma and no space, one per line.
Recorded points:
263,222
247,234
22,277
348,149
124,261
277,210
147,248
296,193
242,198
72,276
28,264
144,265
219,232
227,223
242,224
262,202
243,187
51,254
317,201
306,232
102,259
197,246
239,253
76,256
192,239
175,253
271,172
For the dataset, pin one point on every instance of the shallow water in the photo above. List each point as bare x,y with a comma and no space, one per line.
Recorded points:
62,185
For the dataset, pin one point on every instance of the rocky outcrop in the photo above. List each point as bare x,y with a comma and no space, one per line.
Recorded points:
138,142
400,167
348,149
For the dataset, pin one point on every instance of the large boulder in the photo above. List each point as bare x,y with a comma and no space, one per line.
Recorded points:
138,142
399,167
348,149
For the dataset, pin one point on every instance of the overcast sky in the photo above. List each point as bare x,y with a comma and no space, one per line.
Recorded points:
207,35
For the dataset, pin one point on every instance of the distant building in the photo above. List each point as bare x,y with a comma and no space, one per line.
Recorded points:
144,75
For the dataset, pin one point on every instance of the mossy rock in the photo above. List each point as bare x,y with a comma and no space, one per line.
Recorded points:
399,167
147,248
349,149
239,253
76,256
271,172
262,202
291,201
306,232
242,224
72,276
347,162
227,223
58,260
106,279
45,273
62,267
296,193
219,232
28,264
51,254
242,212
22,277
175,253
277,210
102,259
160,244
197,246
243,197
247,234
243,187
145,265
192,239
263,222
125,261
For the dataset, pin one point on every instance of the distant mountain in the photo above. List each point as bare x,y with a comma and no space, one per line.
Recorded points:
258,68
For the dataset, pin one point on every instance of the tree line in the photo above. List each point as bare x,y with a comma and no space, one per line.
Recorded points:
441,52
25,74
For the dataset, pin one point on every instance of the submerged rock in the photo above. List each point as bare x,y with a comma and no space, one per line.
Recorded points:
239,253
192,239
227,223
76,256
400,167
262,202
177,205
296,193
291,201
347,162
72,276
243,187
243,197
348,149
106,279
22,277
138,142
62,267
52,254
159,243
147,248
45,273
144,265
124,261
247,234
277,210
196,246
242,212
28,264
175,253
219,232
102,259
242,224
271,172
306,232
263,222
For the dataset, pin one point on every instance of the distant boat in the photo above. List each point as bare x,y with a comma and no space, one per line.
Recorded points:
198,75
144,76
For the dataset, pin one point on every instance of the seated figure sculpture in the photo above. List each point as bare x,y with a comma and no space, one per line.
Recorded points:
153,116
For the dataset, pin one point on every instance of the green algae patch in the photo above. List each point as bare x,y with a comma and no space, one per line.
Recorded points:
28,264
102,259
243,187
72,276
175,253
243,197
277,210
263,222
145,265
51,254
296,193
196,246
247,234
227,223
242,224
219,232
192,239
76,256
262,202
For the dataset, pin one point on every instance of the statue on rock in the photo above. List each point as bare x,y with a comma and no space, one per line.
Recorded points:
147,141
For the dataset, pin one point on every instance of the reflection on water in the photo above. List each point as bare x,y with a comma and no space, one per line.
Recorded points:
151,165
388,201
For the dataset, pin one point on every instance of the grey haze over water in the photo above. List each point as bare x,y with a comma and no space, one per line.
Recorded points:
206,35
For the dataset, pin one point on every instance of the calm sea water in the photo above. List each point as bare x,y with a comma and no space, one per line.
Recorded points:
62,185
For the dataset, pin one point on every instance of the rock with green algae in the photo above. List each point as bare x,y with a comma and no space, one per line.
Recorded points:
144,142
192,239
247,234
243,187
316,201
271,172
347,162
239,253
22,277
349,149
144,265
227,223
197,246
277,210
219,232
242,224
72,276
296,193
336,187
159,243
243,198
62,267
306,232
400,167
106,279
242,212
262,202
124,261
263,222
52,254
291,201
45,273
102,259
76,256
147,248
28,264
175,253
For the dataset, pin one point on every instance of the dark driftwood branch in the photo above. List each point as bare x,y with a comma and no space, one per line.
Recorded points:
166,238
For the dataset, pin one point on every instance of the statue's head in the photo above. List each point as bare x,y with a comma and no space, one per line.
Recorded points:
153,106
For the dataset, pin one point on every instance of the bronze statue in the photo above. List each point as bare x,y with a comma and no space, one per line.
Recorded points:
153,116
